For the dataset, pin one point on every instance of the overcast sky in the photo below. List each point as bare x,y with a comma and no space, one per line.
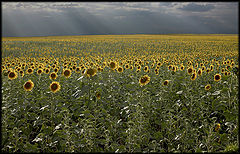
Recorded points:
79,18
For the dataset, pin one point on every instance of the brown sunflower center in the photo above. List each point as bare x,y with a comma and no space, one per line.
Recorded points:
11,74
190,70
53,75
67,73
120,69
143,79
28,85
165,83
54,86
217,77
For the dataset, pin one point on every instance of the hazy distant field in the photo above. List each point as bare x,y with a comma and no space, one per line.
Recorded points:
120,93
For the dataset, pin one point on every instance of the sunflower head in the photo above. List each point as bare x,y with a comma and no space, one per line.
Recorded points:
21,73
190,70
55,70
39,71
217,77
113,65
120,69
53,76
78,70
55,86
144,80
28,86
165,83
47,70
12,75
181,67
194,76
98,95
90,72
208,87
67,73
29,70
199,72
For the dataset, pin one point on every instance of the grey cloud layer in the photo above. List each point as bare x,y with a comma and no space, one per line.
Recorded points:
41,19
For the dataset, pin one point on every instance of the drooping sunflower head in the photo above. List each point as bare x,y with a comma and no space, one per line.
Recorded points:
217,77
12,75
53,76
55,86
208,87
28,86
67,73
90,72
144,80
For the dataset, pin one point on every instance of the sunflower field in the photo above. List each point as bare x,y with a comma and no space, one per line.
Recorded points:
120,93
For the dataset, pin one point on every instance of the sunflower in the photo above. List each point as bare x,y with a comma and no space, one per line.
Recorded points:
90,72
217,77
28,86
194,76
199,72
21,73
67,73
208,87
98,95
113,65
165,83
39,71
181,67
55,70
120,69
208,70
29,71
53,76
170,67
47,70
55,86
12,75
144,80
190,70
138,70
211,67
127,66
229,67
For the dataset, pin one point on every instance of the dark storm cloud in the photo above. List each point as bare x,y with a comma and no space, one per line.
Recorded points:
197,7
43,19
